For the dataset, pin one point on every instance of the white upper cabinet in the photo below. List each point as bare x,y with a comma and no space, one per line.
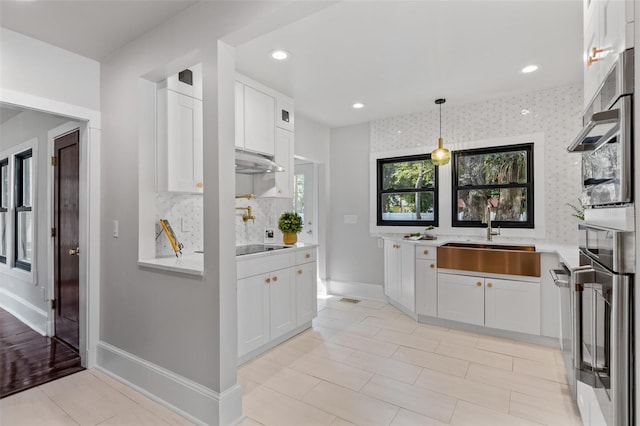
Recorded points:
608,31
255,112
278,184
179,142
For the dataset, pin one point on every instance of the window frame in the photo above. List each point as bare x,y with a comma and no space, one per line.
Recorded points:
380,162
19,203
529,185
4,163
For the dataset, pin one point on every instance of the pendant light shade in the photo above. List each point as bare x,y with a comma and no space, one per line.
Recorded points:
440,156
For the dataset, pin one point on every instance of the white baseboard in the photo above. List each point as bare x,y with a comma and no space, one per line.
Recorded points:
25,311
354,289
191,400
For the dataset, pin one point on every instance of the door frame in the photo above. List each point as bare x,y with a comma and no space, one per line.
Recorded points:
89,232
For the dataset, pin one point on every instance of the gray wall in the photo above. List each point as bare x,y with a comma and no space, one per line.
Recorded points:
353,255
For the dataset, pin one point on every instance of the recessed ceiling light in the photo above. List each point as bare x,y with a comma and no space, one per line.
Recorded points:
525,111
280,55
358,105
529,68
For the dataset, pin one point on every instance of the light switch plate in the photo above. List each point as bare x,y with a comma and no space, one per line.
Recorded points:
269,235
116,229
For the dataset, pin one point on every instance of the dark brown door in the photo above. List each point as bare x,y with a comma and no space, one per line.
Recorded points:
66,251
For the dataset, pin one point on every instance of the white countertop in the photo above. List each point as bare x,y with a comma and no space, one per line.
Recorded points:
193,263
568,253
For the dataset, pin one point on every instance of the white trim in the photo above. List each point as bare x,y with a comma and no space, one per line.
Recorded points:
171,389
444,189
26,312
90,239
354,289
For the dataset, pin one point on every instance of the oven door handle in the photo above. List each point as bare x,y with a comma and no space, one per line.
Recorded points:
583,275
559,282
601,118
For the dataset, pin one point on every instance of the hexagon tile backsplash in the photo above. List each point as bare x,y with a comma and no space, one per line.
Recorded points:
555,112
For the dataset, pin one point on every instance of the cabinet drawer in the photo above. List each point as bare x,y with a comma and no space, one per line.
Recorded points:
426,252
263,264
305,256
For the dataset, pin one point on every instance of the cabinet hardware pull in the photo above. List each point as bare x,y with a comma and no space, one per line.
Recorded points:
300,271
268,280
426,252
479,284
489,285
275,279
200,184
432,266
307,256
595,51
591,61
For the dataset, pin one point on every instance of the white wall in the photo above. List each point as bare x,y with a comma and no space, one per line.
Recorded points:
37,68
21,293
352,254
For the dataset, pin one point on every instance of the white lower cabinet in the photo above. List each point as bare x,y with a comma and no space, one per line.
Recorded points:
306,290
253,313
497,303
426,281
512,305
276,294
461,298
399,282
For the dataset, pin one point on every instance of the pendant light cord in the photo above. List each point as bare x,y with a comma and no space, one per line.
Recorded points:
440,120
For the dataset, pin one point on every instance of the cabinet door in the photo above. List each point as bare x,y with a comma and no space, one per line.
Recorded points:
612,32
259,121
278,184
461,298
282,302
426,287
391,270
253,313
407,276
239,112
512,305
592,71
305,293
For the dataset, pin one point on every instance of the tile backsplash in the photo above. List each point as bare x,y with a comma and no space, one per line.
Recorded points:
556,112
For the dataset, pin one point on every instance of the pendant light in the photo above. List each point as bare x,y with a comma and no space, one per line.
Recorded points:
440,156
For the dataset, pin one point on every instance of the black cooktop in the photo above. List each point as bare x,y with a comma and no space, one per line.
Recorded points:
257,248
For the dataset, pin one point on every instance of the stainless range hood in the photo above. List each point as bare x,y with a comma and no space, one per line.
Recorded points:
249,163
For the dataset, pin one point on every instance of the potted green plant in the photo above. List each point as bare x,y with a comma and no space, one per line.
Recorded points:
290,224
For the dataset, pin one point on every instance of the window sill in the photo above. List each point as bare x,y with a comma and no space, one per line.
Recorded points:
17,273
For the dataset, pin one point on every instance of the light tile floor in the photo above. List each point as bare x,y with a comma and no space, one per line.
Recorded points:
363,364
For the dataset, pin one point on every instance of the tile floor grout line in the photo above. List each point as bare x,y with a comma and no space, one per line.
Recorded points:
58,405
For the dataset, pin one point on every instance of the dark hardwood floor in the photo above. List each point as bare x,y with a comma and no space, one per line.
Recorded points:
28,359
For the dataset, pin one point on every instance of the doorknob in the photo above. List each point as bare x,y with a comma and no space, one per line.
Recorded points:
75,251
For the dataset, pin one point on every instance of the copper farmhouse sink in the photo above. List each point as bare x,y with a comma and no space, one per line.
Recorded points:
492,258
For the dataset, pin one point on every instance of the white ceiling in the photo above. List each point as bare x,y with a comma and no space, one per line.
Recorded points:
92,28
397,57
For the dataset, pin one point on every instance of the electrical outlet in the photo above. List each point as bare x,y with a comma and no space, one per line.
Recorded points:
116,229
268,235
380,243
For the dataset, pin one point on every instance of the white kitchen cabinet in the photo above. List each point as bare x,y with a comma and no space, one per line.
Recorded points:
399,283
306,289
255,125
179,142
253,313
282,302
278,184
608,31
461,298
512,305
426,281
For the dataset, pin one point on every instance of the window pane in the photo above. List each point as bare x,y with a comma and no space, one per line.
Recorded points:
507,204
25,236
4,183
408,174
493,168
26,182
3,234
402,206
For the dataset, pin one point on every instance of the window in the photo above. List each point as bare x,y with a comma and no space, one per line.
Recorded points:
298,194
407,191
4,207
23,212
500,178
